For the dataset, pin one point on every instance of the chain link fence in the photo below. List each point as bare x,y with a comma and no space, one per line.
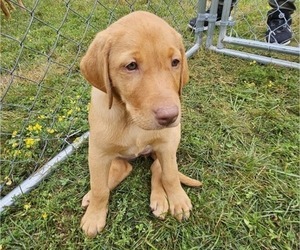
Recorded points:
44,99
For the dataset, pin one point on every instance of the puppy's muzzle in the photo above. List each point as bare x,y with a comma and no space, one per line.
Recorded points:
165,116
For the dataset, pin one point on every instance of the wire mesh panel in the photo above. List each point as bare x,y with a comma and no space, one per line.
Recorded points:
44,99
253,20
259,24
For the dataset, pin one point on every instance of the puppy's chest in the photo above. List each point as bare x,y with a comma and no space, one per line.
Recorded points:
135,151
135,142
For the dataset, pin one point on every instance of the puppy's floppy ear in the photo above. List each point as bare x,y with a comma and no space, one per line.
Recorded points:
95,66
184,75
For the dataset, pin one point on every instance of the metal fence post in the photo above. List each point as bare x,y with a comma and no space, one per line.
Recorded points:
224,23
212,22
199,28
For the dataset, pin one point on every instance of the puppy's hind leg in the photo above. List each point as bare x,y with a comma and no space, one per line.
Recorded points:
119,170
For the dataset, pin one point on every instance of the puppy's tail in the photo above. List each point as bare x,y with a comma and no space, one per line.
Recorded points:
189,181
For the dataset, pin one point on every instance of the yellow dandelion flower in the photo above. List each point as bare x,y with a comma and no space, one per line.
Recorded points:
44,216
37,127
50,130
61,118
41,117
70,112
27,206
28,154
29,142
17,153
250,84
30,128
8,181
77,139
14,134
270,84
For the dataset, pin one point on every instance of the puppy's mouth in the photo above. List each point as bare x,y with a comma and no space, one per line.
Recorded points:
155,126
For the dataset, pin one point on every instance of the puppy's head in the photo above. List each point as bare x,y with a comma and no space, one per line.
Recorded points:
140,61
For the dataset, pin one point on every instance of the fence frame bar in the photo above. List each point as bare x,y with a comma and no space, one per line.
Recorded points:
257,58
262,45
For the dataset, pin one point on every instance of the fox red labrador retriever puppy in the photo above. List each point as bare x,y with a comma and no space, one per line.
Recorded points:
137,67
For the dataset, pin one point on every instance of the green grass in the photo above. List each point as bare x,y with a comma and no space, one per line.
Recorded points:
240,137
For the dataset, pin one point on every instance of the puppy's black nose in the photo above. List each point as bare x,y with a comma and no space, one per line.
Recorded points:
166,115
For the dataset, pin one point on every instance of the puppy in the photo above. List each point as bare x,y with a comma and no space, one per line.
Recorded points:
137,67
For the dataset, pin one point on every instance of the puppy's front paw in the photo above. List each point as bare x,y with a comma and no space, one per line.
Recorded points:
159,204
179,205
93,221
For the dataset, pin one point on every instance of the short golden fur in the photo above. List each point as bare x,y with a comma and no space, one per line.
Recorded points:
137,67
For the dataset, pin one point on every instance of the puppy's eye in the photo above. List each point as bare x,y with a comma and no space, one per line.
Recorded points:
131,66
175,62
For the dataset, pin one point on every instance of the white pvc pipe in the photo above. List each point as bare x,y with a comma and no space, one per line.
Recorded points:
192,50
41,174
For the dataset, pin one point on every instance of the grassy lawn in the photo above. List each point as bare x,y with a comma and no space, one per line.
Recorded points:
240,137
